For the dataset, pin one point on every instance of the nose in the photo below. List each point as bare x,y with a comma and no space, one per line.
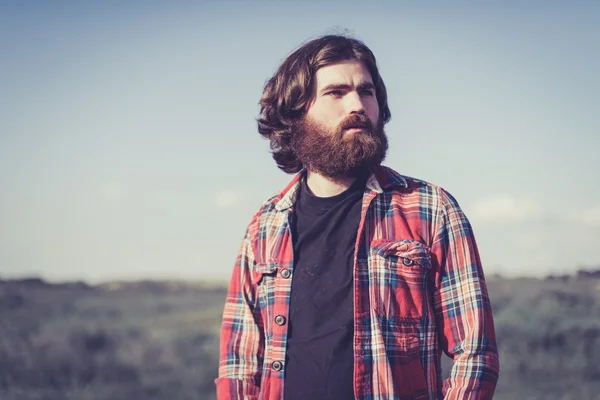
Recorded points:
354,103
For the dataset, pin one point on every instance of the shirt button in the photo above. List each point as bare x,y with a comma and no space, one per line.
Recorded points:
286,273
407,261
277,365
280,320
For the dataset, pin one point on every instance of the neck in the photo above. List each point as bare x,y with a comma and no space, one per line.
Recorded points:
322,186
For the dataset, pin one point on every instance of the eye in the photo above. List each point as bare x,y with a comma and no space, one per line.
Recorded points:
367,92
335,93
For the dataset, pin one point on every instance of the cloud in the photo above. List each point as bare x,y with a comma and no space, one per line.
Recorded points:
518,236
538,248
591,216
503,207
111,192
227,198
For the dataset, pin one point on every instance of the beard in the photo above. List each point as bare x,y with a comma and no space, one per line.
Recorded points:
337,153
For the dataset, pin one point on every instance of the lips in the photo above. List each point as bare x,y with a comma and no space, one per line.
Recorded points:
355,126
358,122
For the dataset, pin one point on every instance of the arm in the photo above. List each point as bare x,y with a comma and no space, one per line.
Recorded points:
462,306
242,339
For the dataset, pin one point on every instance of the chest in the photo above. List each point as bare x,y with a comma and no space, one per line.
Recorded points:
390,263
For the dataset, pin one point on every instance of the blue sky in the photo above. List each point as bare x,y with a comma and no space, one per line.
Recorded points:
129,149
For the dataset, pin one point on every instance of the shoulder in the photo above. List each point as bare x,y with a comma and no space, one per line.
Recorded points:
272,213
433,200
267,210
404,185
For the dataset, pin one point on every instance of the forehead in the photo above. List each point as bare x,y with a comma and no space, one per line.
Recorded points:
348,72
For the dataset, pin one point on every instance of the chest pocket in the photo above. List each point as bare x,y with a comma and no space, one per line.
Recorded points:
398,272
263,277
408,254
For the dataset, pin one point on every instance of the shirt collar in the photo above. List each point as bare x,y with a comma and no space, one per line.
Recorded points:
383,178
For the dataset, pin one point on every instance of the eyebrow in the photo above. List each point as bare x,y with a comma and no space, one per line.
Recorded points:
362,86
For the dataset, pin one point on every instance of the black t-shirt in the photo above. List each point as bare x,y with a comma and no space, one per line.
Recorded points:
320,359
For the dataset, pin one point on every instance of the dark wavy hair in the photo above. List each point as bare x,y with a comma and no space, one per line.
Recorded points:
288,93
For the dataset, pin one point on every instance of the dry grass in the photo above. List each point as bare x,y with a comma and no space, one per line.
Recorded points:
154,340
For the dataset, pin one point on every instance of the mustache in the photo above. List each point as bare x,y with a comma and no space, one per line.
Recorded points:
357,121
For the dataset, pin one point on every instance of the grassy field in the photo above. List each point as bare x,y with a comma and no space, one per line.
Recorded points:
159,340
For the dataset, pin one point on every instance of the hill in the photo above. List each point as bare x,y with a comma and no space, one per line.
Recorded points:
156,340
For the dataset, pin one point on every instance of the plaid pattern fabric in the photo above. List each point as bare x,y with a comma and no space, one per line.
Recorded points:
418,289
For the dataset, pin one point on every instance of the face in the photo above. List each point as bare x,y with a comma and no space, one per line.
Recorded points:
341,134
341,90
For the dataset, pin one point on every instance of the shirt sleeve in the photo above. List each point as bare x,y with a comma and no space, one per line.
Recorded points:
242,338
462,306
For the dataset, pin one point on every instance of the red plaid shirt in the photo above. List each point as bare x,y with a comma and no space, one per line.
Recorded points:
418,289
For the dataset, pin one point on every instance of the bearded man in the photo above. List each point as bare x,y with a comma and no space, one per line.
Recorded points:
351,281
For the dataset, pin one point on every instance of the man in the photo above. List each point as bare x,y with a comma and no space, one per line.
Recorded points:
352,280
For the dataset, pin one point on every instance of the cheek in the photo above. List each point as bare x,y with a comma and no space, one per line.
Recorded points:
373,112
326,112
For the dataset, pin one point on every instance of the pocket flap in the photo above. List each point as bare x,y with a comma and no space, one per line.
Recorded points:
261,269
409,250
